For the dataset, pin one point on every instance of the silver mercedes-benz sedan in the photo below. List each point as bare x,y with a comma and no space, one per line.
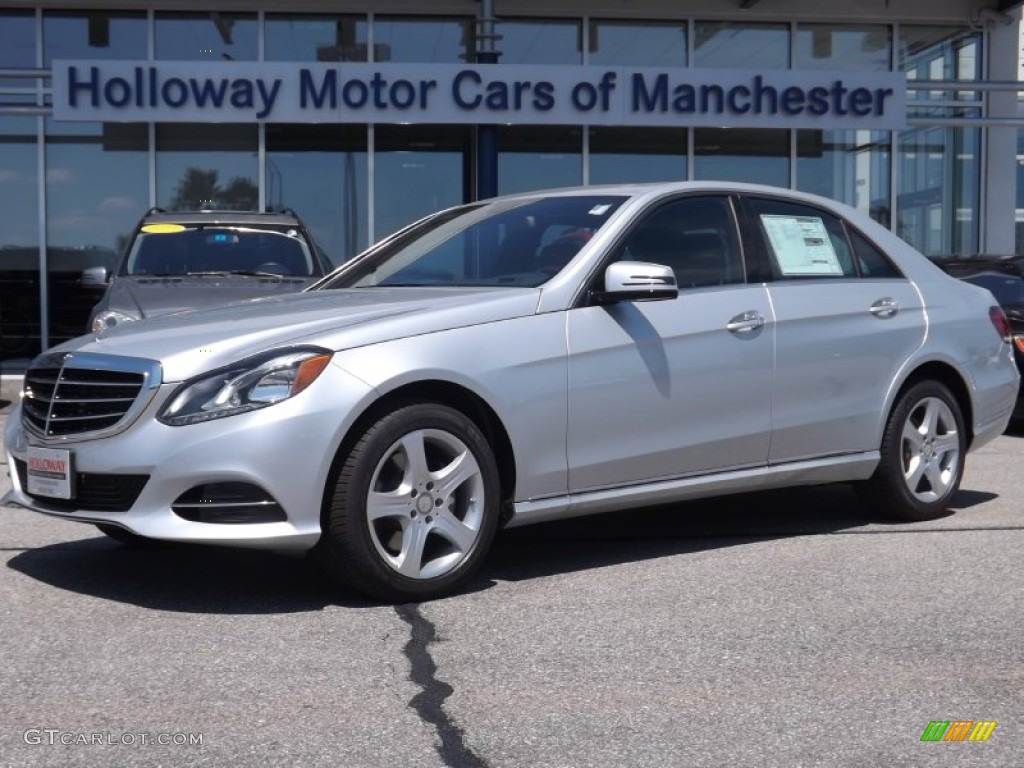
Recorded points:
525,359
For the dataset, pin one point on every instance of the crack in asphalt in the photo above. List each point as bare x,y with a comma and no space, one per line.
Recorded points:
429,702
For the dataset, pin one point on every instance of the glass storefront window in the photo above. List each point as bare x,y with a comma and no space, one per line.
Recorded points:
940,53
759,155
638,44
93,35
737,45
1019,213
850,166
19,240
939,168
427,39
96,190
622,155
213,36
206,166
539,157
939,173
418,169
843,47
320,172
314,38
547,41
17,46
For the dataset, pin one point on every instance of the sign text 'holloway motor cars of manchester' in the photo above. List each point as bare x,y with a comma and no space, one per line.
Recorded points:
444,93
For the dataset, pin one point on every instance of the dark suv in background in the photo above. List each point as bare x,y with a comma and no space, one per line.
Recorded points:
191,259
1003,276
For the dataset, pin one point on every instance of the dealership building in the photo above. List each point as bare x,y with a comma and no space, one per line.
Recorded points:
363,116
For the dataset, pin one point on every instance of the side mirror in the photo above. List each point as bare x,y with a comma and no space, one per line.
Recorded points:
94,276
637,281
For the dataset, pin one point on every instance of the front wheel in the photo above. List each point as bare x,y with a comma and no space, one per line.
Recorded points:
414,507
922,455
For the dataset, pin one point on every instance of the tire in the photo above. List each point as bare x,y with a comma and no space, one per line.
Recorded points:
414,507
126,537
923,450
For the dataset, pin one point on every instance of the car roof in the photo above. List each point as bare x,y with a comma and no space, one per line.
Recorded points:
221,217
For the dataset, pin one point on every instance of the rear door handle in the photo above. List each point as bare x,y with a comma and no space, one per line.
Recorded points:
745,322
886,307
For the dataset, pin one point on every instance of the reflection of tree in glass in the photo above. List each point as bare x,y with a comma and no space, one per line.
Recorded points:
199,188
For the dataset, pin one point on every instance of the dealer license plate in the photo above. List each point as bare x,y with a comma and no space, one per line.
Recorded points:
49,472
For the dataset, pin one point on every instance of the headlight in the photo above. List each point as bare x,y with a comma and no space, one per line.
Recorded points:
109,318
246,386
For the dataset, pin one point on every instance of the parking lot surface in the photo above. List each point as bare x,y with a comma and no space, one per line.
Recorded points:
789,628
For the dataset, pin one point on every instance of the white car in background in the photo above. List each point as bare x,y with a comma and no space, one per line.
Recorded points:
525,359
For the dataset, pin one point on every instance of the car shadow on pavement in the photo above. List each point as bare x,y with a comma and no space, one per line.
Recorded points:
183,578
678,529
198,579
1015,429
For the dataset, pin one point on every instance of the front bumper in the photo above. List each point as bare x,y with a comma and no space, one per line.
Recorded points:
285,449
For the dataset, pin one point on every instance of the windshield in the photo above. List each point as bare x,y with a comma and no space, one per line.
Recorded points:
195,249
522,242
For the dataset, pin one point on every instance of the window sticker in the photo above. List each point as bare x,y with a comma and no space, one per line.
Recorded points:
600,209
802,245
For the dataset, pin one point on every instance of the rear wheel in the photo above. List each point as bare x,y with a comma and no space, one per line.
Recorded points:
922,455
415,506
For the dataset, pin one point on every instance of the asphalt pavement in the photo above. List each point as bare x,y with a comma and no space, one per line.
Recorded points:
788,628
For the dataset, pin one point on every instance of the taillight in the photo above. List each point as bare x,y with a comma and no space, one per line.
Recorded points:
999,322
1018,341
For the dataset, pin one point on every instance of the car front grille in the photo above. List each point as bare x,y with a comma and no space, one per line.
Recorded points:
95,492
78,395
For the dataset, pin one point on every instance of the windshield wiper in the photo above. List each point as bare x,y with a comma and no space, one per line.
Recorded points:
229,272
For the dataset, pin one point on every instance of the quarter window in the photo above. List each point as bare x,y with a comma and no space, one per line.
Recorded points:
871,261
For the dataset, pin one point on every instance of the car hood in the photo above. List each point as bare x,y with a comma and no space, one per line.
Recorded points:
190,343
154,296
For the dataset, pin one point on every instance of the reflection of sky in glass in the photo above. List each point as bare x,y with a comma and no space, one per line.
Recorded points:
539,157
746,46
409,185
527,171
540,42
920,45
740,154
620,155
93,195
850,166
627,168
314,38
328,191
115,36
18,194
420,40
213,36
845,47
639,45
17,39
17,46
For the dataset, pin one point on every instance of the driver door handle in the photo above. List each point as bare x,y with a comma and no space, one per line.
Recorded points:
886,307
745,322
